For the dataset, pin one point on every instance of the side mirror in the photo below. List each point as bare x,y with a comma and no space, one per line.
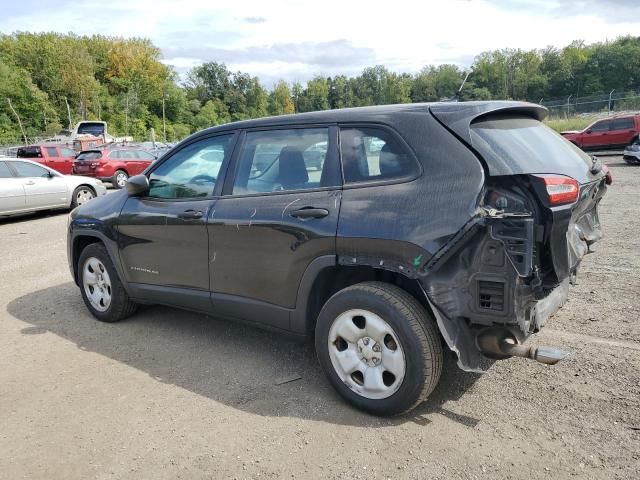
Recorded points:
137,186
588,131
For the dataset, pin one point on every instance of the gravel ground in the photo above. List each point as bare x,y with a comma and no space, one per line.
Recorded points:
168,394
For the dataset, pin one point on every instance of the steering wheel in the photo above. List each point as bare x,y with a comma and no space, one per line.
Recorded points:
203,179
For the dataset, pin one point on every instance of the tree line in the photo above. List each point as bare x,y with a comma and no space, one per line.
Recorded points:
51,80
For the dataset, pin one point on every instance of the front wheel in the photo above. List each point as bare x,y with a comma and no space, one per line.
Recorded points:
82,195
102,291
379,348
120,179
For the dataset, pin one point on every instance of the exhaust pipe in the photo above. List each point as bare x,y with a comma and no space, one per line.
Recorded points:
501,344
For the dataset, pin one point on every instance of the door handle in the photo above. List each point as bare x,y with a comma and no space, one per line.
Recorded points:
30,182
310,212
190,214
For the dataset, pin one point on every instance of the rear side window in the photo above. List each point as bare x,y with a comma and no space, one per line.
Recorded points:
370,154
4,171
285,160
29,152
622,124
67,152
52,151
142,155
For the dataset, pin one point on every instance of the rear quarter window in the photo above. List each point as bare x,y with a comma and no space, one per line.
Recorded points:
374,154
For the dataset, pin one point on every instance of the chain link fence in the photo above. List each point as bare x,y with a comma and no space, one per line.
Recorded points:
610,103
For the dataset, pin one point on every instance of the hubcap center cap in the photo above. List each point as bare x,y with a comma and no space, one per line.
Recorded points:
370,351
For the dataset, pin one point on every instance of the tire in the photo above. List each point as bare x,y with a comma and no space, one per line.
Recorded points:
110,302
412,332
82,195
119,179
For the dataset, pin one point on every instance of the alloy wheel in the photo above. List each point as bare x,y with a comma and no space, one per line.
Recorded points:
121,179
83,196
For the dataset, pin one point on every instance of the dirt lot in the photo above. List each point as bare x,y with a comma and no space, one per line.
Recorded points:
169,394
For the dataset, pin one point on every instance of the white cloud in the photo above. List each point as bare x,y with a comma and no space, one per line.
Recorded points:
296,39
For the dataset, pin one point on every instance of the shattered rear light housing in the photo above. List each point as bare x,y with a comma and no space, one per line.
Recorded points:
607,173
561,189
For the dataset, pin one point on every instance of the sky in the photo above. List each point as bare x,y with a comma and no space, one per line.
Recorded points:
295,40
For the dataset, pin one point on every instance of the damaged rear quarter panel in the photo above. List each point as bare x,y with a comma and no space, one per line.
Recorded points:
405,224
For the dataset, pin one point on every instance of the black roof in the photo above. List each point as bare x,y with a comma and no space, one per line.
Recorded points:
445,111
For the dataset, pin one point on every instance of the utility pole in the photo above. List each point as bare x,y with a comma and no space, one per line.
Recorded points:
610,93
164,121
68,113
24,136
126,115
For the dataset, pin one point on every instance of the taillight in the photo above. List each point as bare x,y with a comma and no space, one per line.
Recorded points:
608,178
560,189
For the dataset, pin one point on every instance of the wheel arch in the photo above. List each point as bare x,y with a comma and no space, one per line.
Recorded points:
82,240
324,277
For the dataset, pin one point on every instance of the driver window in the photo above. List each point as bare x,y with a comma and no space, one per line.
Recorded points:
600,126
192,171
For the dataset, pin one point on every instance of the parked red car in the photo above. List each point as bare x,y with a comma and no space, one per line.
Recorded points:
58,157
614,132
114,165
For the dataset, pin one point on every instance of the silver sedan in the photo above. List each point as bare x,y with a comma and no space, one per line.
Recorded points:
27,186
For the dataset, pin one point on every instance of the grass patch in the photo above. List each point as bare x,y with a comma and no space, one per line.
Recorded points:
572,123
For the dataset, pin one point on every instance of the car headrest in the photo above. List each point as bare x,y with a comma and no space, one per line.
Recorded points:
292,169
391,163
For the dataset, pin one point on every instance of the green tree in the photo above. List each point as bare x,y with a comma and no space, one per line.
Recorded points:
280,101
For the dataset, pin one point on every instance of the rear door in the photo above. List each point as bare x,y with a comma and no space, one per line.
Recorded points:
279,212
597,135
53,159
622,131
11,191
67,157
144,159
41,190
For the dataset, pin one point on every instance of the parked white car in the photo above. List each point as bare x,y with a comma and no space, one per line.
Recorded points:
27,186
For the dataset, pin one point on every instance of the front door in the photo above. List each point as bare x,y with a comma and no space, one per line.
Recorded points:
597,135
163,237
279,213
42,187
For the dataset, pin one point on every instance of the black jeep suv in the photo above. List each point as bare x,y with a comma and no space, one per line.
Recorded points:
384,232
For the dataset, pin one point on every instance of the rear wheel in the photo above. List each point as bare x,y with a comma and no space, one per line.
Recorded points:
379,348
120,179
82,195
102,291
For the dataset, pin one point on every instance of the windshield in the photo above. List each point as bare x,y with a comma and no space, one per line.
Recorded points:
517,145
91,128
89,156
